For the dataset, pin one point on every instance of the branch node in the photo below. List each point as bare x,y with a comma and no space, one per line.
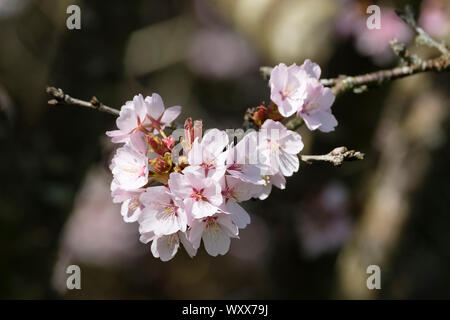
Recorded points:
95,102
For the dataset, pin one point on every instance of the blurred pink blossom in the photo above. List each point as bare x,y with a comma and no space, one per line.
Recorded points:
94,233
324,223
434,17
218,53
376,42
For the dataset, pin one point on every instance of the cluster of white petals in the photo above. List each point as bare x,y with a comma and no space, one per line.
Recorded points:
297,89
197,197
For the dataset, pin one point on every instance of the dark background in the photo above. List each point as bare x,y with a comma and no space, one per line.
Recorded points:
313,240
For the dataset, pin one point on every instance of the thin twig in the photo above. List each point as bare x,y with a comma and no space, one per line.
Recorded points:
360,83
337,156
345,83
294,124
404,54
59,97
422,36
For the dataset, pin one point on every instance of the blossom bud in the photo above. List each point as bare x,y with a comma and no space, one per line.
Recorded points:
191,131
263,113
157,145
162,167
169,142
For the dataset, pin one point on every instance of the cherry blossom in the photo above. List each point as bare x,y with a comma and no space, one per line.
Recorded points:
166,247
132,117
208,156
198,196
263,190
242,160
130,168
316,109
159,116
279,148
235,191
201,196
289,85
297,89
215,231
163,214
142,115
131,206
287,88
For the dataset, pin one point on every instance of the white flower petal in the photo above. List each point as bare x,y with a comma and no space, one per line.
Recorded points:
155,106
239,216
170,114
215,240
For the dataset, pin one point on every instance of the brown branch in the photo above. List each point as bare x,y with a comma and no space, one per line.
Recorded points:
343,84
415,65
294,124
337,156
59,97
422,38
359,83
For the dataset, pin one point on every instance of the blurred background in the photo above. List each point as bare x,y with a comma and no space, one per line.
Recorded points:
313,240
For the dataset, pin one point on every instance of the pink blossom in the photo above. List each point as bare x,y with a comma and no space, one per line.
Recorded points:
434,18
234,191
263,190
166,247
132,116
279,148
208,156
287,89
130,168
131,206
288,85
242,160
157,114
376,42
142,115
316,109
215,231
163,214
201,196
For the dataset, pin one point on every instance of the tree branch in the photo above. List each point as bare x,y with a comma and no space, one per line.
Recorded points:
59,97
337,156
360,83
422,38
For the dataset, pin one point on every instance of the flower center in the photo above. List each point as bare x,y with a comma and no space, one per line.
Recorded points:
228,193
284,93
235,167
311,105
169,211
272,145
211,223
266,180
197,194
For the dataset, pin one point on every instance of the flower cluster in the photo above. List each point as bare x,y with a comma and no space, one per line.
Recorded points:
297,89
187,187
